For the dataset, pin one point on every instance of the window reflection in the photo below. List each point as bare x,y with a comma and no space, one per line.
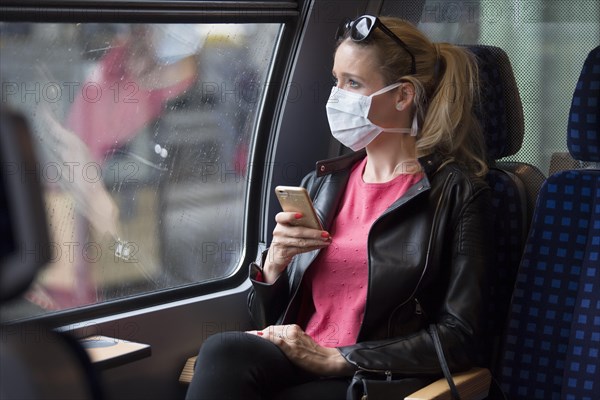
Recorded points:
143,134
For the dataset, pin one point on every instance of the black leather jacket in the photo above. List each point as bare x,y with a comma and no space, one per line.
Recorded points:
427,259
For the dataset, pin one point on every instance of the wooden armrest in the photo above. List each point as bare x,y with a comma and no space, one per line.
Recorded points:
472,385
188,370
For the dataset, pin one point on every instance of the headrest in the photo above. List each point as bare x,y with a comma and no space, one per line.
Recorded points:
25,239
500,111
583,136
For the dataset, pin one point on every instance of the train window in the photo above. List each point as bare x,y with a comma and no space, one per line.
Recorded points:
144,133
546,41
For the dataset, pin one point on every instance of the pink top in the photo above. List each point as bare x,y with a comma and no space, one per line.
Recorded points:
334,289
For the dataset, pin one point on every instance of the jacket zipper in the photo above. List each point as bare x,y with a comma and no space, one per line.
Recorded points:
387,372
369,256
418,308
429,246
388,378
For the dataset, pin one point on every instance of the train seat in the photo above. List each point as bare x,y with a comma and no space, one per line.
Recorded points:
36,362
564,160
500,113
552,341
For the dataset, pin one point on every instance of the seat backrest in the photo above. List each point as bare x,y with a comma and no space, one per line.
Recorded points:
39,363
501,115
582,121
553,332
35,361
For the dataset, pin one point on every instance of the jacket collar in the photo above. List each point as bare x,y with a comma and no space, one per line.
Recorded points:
341,163
430,163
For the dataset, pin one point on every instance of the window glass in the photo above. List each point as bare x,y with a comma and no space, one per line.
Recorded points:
144,133
546,41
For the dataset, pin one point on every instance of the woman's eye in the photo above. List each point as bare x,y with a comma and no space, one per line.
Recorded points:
347,83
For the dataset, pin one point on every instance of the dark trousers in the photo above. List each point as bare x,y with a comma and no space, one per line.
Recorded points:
237,365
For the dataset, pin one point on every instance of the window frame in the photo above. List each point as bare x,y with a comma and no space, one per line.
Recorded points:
286,13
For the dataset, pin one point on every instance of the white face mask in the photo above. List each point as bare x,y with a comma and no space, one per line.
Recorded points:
348,115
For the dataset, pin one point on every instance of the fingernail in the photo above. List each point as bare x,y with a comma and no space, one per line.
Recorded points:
259,333
298,216
325,235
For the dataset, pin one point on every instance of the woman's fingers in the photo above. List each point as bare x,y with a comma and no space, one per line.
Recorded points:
289,218
303,351
287,226
290,240
299,243
279,334
282,251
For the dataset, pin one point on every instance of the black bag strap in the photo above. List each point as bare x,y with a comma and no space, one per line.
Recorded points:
440,353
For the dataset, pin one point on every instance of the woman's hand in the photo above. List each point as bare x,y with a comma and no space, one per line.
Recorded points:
304,352
290,239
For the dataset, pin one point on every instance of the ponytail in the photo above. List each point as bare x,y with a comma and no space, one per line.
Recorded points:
449,124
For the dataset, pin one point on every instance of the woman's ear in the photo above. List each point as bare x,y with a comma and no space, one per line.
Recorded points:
405,97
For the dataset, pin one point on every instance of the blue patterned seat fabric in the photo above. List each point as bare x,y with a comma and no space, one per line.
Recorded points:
552,345
584,119
501,116
582,366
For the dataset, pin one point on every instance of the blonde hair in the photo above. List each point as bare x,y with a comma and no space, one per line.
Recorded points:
446,91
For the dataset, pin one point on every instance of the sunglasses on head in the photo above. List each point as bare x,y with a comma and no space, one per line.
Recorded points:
362,28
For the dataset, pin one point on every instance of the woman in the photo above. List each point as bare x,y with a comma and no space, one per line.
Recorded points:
404,244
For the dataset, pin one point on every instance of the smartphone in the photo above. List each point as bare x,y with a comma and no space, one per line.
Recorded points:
296,199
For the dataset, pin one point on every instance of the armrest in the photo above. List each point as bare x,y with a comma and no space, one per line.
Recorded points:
473,384
188,370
